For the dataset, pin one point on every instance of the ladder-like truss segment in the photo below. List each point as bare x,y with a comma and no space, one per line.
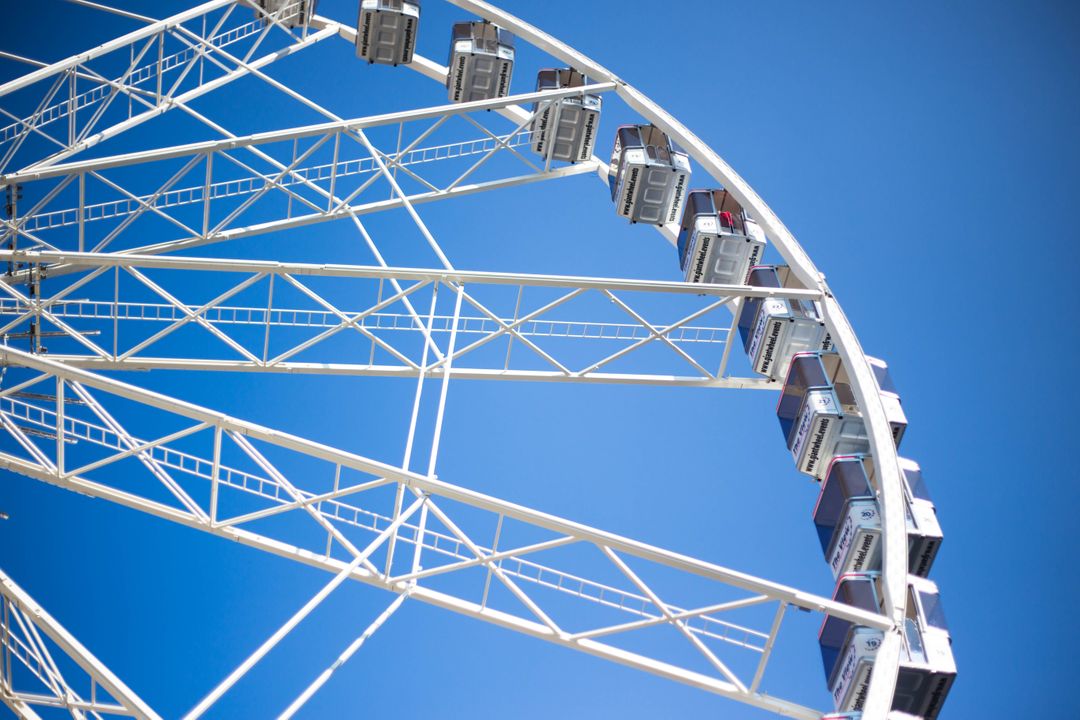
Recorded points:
31,679
277,169
83,265
215,473
169,64
888,476
590,325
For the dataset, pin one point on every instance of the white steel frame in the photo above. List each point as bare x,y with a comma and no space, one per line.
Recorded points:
216,317
424,491
161,96
886,462
286,177
26,633
330,511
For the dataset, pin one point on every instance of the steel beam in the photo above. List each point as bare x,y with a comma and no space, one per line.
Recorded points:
887,470
439,488
888,477
418,274
306,131
120,42
98,672
330,320
391,371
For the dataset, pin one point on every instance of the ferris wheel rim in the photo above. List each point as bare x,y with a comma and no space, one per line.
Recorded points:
884,453
885,457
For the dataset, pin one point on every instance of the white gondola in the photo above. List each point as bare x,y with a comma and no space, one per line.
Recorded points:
565,129
481,62
386,31
927,668
290,13
818,414
718,243
647,175
848,519
773,330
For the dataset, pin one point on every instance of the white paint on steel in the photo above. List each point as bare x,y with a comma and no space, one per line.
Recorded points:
122,41
39,617
886,462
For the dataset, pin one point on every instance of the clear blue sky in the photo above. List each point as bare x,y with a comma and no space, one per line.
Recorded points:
925,154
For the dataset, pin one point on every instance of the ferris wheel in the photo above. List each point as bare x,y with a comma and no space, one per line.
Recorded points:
208,256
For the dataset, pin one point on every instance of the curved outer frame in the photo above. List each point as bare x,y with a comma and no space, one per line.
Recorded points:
886,463
887,469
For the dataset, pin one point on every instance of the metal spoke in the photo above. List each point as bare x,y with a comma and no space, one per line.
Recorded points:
437,494
253,479
24,640
581,330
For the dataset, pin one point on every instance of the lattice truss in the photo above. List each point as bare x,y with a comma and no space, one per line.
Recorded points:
65,108
43,669
398,530
277,317
245,187
93,282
